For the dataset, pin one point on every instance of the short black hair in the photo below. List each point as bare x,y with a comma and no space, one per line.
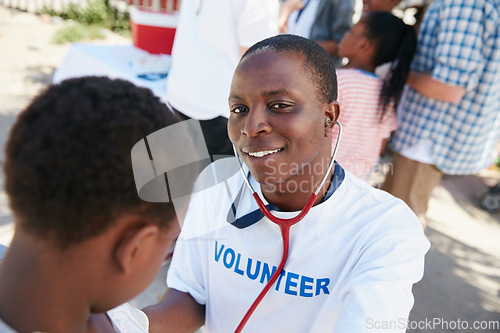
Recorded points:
68,162
318,63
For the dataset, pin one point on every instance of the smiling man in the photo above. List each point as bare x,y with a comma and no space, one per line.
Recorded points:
352,259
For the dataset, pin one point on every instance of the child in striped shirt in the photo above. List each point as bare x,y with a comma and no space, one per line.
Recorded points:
368,102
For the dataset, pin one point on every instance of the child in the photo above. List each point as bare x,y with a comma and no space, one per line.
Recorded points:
368,102
84,242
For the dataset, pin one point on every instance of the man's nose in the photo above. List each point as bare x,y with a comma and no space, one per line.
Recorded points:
256,122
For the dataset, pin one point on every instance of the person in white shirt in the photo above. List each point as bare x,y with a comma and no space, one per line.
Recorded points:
210,38
352,259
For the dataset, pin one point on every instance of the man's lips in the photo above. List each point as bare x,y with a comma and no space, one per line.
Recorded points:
259,153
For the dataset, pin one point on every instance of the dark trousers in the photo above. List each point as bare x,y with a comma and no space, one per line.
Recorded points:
214,133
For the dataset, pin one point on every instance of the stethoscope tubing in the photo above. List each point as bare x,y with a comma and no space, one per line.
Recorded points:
284,225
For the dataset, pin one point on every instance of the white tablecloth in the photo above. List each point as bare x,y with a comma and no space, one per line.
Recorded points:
116,61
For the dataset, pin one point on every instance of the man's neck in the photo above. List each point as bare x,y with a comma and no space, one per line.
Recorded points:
294,194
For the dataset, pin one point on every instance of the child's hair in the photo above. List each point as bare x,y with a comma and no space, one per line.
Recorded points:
318,63
68,159
395,42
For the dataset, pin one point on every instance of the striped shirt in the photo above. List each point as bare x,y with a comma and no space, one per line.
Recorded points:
459,44
360,116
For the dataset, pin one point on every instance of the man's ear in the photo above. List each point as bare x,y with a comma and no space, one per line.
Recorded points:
332,113
132,243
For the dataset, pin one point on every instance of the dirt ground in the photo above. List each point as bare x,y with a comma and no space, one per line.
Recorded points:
461,287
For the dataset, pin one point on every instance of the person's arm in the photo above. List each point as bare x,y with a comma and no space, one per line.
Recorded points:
379,289
430,88
286,9
176,312
457,53
330,46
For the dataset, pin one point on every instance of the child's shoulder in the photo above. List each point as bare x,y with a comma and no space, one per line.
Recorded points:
353,79
356,73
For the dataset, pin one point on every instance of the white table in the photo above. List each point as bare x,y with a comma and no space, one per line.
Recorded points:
116,61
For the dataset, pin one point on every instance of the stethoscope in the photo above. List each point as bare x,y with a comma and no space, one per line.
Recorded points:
284,224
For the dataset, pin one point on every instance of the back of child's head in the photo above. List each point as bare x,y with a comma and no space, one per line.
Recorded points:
395,42
318,64
68,170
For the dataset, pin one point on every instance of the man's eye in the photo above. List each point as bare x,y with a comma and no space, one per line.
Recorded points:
278,106
238,109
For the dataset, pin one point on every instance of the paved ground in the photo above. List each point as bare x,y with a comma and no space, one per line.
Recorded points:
462,278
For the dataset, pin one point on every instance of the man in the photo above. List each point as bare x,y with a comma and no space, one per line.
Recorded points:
449,121
353,257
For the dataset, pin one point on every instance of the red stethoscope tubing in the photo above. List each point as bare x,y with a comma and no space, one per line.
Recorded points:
284,225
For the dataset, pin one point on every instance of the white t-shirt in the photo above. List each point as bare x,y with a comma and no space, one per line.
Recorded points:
128,319
206,51
352,260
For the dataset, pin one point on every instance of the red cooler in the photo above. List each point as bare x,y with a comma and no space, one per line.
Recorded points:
153,31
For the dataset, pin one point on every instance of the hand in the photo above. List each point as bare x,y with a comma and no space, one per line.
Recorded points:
286,9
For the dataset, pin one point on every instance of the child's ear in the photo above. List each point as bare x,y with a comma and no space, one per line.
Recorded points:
366,46
134,243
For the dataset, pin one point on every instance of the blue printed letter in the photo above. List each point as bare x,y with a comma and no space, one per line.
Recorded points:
217,255
249,269
229,263
289,283
322,284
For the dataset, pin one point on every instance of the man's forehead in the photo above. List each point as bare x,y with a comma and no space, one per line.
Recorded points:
271,62
269,55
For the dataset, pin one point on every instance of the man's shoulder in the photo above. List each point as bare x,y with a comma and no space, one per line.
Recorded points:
368,197
220,171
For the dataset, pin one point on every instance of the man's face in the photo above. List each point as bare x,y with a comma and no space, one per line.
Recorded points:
378,5
277,120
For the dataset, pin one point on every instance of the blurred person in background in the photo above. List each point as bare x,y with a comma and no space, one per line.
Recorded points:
449,121
369,102
324,21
